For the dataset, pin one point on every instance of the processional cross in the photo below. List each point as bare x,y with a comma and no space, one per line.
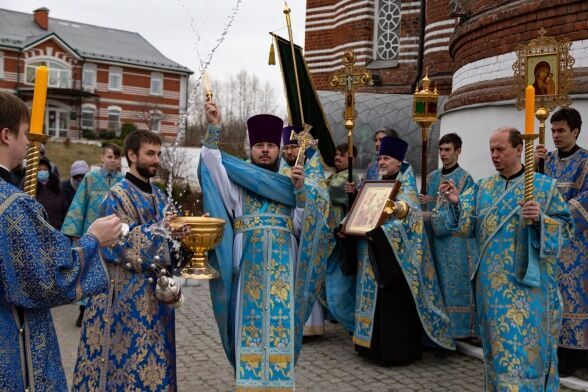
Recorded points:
305,141
349,79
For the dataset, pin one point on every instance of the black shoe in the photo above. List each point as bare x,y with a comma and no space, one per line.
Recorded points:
80,317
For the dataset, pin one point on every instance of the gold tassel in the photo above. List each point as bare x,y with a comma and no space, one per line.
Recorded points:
272,55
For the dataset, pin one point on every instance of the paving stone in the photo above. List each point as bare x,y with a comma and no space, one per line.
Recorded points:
328,363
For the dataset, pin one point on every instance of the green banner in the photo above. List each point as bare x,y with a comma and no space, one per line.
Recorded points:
311,105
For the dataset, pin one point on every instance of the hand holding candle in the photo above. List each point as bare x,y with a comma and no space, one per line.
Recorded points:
529,110
39,98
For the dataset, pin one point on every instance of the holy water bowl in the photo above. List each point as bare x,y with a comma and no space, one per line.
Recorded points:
205,234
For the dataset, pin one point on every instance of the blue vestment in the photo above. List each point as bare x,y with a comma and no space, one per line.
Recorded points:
517,296
128,336
39,268
85,207
571,174
409,243
454,257
339,292
269,280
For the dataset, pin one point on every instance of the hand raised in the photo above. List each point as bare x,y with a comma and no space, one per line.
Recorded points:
213,115
298,177
448,189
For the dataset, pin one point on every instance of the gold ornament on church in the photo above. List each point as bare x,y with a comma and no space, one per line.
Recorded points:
205,234
546,64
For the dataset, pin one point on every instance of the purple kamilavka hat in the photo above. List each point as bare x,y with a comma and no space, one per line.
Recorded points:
393,147
287,131
264,128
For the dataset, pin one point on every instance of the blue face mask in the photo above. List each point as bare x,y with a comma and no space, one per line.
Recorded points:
43,175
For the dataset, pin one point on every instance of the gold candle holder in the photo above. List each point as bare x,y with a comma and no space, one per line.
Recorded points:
33,155
529,168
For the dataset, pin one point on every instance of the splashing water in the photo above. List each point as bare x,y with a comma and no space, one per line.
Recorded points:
203,64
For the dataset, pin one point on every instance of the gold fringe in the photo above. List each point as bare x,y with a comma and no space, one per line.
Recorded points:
272,55
279,358
362,343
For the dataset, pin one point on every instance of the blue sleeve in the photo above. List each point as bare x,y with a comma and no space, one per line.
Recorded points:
141,244
39,266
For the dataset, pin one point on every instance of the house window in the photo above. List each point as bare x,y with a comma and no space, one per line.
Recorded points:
114,120
115,78
59,74
89,77
156,122
387,30
88,114
156,84
1,65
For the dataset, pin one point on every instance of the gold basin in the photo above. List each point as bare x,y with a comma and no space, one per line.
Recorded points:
205,234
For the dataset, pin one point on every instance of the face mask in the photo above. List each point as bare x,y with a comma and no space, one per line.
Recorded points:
43,175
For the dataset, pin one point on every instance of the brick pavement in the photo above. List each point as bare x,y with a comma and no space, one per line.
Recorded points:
327,363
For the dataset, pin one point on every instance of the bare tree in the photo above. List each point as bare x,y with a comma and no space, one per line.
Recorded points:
175,161
239,97
151,113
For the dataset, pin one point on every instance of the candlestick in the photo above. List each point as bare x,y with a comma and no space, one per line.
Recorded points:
529,168
39,98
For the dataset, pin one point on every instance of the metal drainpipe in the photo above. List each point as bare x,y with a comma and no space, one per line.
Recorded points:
421,47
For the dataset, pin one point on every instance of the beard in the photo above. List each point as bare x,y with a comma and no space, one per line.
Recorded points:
291,162
268,166
145,170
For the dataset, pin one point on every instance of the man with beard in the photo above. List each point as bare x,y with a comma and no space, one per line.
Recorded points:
453,255
128,338
403,298
273,252
40,268
290,149
85,207
373,170
516,289
569,166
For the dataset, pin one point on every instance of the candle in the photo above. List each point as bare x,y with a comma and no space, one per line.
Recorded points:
207,86
39,98
530,110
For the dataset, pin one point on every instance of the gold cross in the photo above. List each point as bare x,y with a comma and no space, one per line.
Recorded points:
348,79
305,141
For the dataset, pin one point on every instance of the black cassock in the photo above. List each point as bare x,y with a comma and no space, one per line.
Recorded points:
397,330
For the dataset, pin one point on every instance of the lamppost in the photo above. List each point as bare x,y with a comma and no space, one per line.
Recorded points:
424,113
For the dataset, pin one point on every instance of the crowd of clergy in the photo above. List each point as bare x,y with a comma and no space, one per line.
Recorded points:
470,260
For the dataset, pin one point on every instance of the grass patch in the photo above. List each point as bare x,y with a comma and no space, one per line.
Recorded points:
63,156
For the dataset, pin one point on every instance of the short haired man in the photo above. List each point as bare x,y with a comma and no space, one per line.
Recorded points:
131,328
85,207
516,290
569,166
273,253
453,256
40,268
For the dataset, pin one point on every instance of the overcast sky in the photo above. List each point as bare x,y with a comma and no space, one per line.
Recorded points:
167,25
